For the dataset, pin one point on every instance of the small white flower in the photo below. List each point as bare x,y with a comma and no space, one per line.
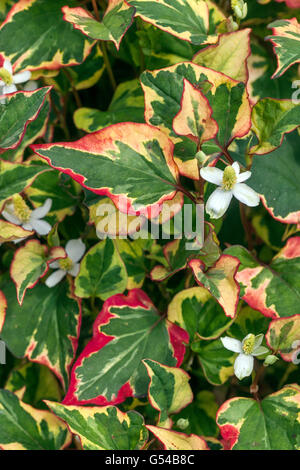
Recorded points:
75,249
9,80
231,183
17,212
249,347
240,8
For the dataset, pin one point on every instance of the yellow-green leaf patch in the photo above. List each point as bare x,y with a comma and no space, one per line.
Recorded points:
103,427
173,440
23,427
31,263
272,424
282,335
286,42
169,390
30,24
116,20
102,272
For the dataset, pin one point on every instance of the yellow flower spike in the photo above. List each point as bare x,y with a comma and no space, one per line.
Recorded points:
229,178
6,76
248,344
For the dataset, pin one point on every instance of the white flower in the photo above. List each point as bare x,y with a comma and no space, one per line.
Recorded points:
17,212
249,347
240,8
231,183
75,250
9,80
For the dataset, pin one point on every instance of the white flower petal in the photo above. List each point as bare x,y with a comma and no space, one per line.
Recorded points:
243,366
232,344
40,226
9,89
245,194
74,270
7,65
236,168
27,226
19,240
260,351
22,77
244,176
55,278
75,249
212,174
43,210
258,341
11,217
218,202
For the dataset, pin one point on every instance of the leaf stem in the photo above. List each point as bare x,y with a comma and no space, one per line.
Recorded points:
108,65
246,226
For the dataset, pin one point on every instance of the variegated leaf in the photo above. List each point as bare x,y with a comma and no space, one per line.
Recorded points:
271,424
282,335
127,330
173,440
132,253
220,281
286,41
45,328
116,20
31,263
121,162
103,427
15,177
226,97
102,272
30,24
275,178
23,427
127,105
273,290
34,130
229,55
198,312
216,361
24,104
194,118
185,19
169,390
271,120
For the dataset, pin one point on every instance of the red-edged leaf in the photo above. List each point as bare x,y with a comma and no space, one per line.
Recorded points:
131,163
220,281
127,330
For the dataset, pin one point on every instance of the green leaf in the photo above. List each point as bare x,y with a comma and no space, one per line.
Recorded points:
271,119
62,190
273,290
116,20
216,361
127,330
23,427
43,331
169,390
275,177
197,311
35,29
127,105
131,163
271,424
132,253
17,112
186,19
200,415
103,428
286,40
102,272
